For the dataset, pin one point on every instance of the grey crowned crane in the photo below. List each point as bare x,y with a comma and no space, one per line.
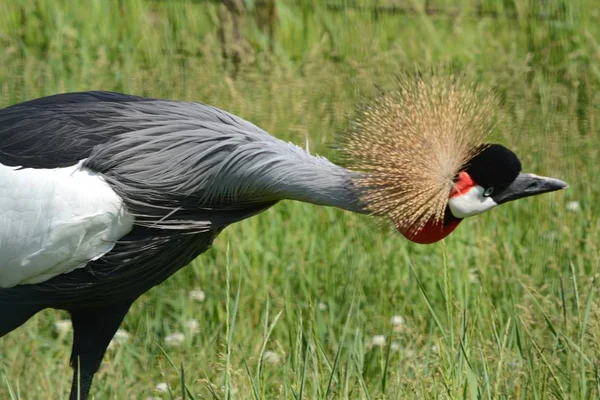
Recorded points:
105,195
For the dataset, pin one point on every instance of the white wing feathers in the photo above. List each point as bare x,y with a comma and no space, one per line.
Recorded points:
53,221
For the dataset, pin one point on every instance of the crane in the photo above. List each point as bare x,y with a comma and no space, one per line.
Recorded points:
105,195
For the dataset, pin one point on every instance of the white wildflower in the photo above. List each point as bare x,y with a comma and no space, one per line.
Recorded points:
435,349
121,337
573,206
395,346
322,306
63,326
162,387
192,326
473,276
270,357
516,363
378,341
232,389
175,339
398,323
198,295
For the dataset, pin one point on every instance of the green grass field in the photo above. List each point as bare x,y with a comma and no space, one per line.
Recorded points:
300,301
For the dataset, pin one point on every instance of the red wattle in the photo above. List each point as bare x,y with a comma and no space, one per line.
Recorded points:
463,184
432,232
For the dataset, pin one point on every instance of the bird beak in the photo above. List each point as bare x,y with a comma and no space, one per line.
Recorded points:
526,185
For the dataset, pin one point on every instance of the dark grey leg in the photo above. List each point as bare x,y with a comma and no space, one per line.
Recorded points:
93,329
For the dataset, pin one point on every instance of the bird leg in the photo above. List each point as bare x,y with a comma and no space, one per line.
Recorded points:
93,329
11,316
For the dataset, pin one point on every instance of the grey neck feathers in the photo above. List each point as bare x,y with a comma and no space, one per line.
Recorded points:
274,170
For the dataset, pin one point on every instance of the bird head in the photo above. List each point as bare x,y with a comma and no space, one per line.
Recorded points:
493,177
421,158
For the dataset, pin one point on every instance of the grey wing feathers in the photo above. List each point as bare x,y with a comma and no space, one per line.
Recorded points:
60,130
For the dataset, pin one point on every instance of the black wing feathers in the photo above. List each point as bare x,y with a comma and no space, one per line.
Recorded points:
80,97
56,131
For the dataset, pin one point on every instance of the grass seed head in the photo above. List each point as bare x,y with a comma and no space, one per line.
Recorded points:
410,143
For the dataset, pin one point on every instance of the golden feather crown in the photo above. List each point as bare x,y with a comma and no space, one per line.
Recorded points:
409,144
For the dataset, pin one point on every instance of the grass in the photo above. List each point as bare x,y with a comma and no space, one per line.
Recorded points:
506,307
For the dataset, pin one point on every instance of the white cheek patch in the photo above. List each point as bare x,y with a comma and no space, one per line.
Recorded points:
471,203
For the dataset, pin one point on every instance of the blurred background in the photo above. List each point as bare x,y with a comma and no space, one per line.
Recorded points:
306,302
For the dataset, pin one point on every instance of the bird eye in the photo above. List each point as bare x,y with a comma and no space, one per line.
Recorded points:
488,192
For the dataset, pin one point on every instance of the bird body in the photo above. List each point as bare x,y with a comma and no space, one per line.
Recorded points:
183,171
105,195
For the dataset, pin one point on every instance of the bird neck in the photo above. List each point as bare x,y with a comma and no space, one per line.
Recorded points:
271,169
317,180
